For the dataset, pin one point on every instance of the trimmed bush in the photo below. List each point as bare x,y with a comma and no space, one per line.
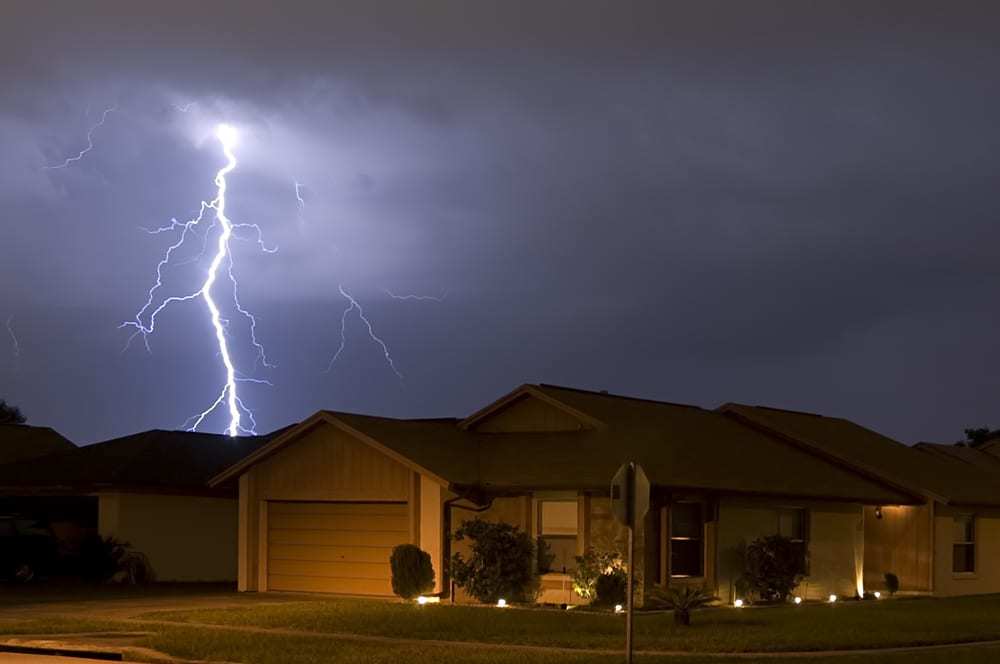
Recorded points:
773,567
105,559
501,564
609,589
412,571
891,583
589,568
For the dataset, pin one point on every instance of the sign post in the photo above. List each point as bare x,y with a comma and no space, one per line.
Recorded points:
629,504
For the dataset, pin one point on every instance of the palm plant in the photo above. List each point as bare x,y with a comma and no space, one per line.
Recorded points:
682,601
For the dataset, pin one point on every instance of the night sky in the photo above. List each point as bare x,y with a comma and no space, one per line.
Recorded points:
782,203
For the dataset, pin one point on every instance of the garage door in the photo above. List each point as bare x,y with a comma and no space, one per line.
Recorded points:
333,547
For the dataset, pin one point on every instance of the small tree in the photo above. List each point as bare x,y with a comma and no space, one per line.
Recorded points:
590,567
412,571
891,583
681,601
773,567
500,565
10,414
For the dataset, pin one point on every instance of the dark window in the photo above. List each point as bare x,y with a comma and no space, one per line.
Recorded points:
963,548
687,528
557,527
792,524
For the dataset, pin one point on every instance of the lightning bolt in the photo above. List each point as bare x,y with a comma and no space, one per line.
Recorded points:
90,141
433,298
354,306
300,201
222,262
13,337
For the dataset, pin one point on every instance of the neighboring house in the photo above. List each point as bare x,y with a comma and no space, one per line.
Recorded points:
322,504
949,543
149,489
22,441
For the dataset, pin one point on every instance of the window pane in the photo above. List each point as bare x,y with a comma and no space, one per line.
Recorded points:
792,523
963,529
563,552
685,520
685,558
963,558
558,517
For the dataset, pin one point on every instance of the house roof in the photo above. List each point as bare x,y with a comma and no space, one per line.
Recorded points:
943,477
155,460
975,456
679,446
23,441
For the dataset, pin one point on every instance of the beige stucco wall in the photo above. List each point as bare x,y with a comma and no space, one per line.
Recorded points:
986,578
328,464
836,547
899,542
186,538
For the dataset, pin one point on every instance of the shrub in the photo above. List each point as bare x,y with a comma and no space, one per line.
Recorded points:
773,567
412,571
589,568
609,589
108,559
545,556
891,583
500,565
681,601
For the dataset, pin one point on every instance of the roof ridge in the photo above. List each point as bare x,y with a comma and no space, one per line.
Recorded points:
792,411
605,393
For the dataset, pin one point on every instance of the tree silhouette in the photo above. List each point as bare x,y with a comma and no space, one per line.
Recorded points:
11,414
977,436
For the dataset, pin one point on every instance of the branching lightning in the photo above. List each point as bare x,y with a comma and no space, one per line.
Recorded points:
352,306
15,344
90,141
433,298
222,260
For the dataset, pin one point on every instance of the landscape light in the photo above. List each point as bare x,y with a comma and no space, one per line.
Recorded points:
421,600
618,608
738,604
832,599
502,603
798,600
878,595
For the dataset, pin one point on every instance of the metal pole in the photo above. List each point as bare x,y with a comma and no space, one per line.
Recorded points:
628,600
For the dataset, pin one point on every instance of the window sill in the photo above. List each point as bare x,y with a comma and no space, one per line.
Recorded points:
965,576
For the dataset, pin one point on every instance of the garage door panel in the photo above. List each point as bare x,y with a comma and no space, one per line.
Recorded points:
340,522
350,509
361,554
335,570
338,547
321,585
335,538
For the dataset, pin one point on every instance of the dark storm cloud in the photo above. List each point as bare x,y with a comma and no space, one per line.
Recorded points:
775,202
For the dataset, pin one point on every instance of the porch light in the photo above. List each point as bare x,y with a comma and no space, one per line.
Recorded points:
501,603
738,603
832,599
798,600
619,608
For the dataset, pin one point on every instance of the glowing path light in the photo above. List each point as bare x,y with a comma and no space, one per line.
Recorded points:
90,141
353,305
222,259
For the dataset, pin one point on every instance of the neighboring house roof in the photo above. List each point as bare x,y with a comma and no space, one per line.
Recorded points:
945,478
23,441
974,456
680,447
157,460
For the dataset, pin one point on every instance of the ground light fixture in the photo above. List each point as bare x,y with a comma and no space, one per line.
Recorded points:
878,595
832,599
738,603
501,603
619,608
421,600
797,600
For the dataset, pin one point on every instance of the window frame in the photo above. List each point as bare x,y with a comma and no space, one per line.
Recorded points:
802,541
671,538
964,544
539,525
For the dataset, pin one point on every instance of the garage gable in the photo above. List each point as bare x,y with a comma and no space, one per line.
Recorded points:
327,463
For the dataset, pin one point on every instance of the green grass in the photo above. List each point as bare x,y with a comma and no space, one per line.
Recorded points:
847,625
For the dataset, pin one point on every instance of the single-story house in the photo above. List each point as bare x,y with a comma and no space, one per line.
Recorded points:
322,504
149,489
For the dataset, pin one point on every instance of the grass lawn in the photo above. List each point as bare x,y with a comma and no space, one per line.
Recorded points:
846,625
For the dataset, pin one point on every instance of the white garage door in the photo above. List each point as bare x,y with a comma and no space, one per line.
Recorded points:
333,547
